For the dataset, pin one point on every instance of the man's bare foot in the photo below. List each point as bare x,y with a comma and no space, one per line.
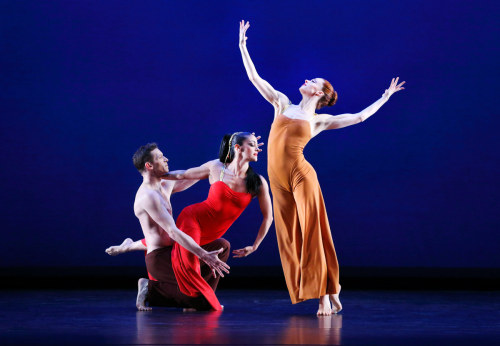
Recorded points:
324,308
119,249
142,291
337,305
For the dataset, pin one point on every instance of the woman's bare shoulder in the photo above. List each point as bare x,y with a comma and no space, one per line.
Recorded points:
213,163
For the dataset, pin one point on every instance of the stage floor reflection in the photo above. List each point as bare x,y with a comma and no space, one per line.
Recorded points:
252,318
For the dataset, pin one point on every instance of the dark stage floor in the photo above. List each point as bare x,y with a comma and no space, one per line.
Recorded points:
252,318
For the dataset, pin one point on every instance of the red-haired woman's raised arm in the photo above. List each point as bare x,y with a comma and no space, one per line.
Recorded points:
276,98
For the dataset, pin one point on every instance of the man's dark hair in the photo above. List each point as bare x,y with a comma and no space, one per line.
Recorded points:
143,155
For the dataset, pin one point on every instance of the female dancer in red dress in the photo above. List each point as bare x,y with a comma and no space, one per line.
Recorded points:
302,229
233,185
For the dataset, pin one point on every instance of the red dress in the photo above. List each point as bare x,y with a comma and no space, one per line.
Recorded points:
205,222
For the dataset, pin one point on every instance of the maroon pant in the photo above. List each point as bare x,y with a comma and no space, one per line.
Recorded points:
165,291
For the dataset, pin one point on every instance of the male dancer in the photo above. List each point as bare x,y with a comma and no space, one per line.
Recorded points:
154,211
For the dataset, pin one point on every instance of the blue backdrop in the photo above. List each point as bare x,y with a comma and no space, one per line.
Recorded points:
84,83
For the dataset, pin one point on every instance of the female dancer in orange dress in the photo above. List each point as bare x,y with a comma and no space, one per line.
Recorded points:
304,239
233,185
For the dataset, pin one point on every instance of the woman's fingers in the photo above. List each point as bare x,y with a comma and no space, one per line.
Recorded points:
239,253
394,86
244,26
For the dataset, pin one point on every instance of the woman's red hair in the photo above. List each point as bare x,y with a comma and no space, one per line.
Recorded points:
330,96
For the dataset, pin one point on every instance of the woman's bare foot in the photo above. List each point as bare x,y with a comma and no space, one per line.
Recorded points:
324,308
119,249
337,305
142,291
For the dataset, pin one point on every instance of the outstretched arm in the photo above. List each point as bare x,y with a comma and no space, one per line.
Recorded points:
196,173
277,99
329,122
181,185
267,212
154,208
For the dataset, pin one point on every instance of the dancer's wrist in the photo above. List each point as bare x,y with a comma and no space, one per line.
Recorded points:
202,254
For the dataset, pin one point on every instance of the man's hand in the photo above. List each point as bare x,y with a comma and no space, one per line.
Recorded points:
212,260
243,252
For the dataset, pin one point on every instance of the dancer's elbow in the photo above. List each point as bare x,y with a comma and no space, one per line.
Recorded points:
253,80
171,232
268,221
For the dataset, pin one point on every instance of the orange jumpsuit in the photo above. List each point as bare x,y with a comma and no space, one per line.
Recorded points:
304,240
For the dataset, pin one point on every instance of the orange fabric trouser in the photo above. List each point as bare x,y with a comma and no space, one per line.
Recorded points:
306,247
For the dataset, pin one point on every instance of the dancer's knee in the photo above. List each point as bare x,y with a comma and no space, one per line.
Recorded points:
226,246
217,244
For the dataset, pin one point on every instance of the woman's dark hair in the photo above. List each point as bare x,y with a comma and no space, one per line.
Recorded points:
143,155
330,96
226,155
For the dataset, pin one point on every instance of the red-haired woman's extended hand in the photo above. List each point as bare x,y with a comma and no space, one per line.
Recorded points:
394,87
243,29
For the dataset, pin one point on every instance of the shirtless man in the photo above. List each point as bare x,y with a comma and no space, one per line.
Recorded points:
154,211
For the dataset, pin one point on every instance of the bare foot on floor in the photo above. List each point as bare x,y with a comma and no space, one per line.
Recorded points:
337,305
119,249
142,291
324,308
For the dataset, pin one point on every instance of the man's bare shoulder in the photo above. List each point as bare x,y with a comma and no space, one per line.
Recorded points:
144,192
144,197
